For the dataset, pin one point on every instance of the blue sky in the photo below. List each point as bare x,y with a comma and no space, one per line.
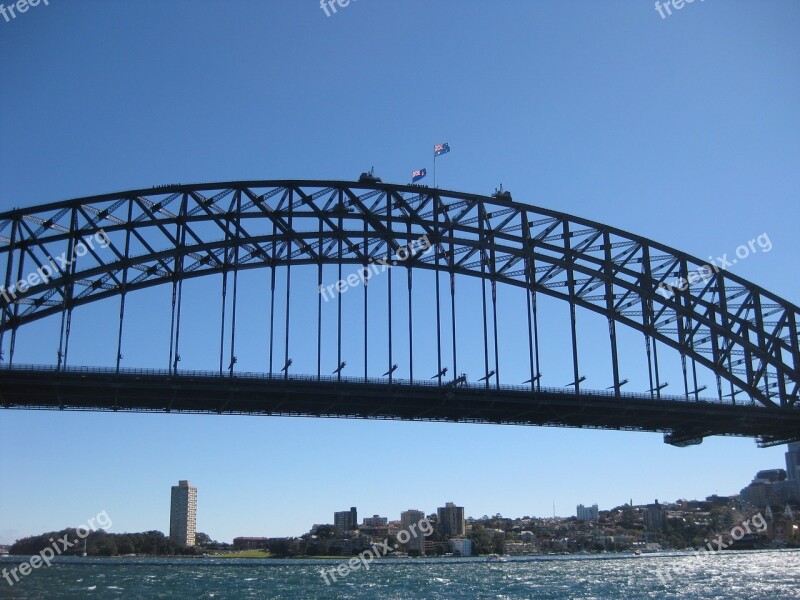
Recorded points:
684,130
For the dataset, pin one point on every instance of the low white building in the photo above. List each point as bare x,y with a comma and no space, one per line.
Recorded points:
461,546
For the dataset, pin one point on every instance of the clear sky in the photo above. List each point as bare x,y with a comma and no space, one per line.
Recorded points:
682,129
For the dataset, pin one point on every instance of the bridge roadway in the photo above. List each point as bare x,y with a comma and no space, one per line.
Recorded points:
683,422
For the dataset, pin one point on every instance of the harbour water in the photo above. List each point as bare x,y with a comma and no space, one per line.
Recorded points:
773,574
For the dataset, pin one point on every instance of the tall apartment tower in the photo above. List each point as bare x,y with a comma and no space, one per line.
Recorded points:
587,513
345,520
451,520
183,513
793,461
416,542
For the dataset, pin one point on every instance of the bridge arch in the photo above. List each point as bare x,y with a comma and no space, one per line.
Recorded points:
742,333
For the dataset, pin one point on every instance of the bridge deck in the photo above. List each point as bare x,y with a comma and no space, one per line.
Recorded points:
683,421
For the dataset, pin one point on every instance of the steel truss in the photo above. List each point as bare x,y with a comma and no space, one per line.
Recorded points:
745,335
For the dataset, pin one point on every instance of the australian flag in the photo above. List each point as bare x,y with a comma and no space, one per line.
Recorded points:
440,149
417,175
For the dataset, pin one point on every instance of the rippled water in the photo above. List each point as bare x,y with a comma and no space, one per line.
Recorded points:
734,575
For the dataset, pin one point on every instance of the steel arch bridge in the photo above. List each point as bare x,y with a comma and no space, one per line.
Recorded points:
57,257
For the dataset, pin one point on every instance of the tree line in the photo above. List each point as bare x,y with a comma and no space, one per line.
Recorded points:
101,543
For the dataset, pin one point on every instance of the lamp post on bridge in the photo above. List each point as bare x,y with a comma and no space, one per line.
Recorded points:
230,366
487,377
285,368
616,388
580,379
338,371
658,389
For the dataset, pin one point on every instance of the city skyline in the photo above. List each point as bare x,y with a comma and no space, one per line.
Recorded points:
563,509
183,511
451,518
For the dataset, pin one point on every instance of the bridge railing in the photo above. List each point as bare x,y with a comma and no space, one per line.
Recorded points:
332,379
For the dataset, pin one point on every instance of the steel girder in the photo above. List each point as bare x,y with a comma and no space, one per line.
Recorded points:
151,390
118,243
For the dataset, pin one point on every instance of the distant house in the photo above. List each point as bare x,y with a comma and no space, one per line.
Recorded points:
250,543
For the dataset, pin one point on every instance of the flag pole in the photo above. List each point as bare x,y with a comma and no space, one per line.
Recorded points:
434,168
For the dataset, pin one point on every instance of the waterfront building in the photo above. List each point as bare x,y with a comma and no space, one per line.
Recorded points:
451,520
183,513
461,546
250,543
416,541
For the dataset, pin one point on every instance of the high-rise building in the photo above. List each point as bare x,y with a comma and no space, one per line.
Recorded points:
451,520
771,486
655,517
416,539
587,513
345,520
183,513
793,461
